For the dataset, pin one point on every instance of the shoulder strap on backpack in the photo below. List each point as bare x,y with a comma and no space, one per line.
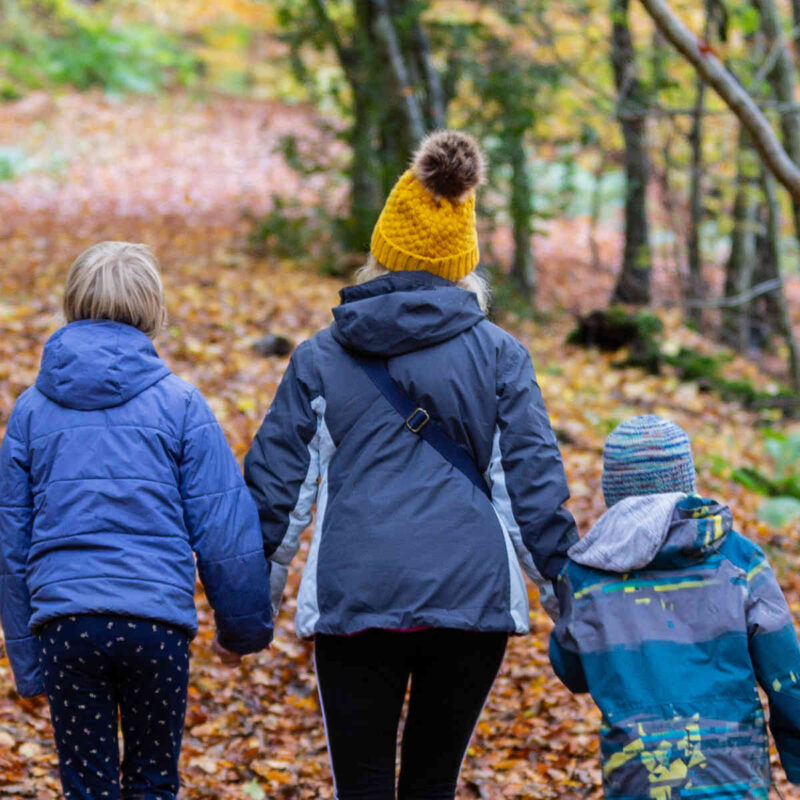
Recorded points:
418,421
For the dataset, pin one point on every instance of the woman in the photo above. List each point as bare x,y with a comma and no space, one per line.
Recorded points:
421,516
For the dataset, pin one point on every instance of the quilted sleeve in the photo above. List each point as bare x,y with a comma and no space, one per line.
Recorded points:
282,469
529,487
16,522
223,528
775,654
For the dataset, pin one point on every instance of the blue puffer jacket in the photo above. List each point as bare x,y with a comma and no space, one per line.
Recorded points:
402,538
671,619
112,471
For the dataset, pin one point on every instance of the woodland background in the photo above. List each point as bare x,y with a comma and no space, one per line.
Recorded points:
251,144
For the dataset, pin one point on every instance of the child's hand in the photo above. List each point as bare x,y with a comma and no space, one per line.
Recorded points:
226,656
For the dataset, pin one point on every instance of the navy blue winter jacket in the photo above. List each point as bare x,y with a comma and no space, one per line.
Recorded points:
402,538
112,471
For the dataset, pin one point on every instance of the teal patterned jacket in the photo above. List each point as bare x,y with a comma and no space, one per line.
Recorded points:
671,620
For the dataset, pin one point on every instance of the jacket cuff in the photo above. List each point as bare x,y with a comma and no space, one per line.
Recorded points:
243,635
24,657
791,765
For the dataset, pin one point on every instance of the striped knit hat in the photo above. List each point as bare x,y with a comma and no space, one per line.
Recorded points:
647,455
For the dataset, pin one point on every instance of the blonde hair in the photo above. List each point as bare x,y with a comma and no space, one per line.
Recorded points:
473,282
119,281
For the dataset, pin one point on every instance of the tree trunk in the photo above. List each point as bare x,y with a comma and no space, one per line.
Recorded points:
436,113
696,287
782,80
633,284
596,208
796,14
386,32
779,294
671,205
383,132
764,311
739,270
366,192
523,270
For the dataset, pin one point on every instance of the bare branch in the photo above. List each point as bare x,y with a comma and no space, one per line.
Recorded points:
384,28
740,299
699,54
436,100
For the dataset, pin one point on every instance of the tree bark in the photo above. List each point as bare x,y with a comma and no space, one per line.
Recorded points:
365,174
696,287
523,269
633,283
384,28
700,55
783,82
779,295
735,329
433,81
596,207
670,204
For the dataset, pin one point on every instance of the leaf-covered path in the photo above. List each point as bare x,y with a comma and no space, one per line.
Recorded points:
177,175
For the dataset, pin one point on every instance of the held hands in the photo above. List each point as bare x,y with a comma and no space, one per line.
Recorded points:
226,656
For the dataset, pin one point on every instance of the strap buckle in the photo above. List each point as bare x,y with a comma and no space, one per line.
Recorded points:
418,420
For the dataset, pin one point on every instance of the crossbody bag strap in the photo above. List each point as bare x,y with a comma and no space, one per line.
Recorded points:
419,421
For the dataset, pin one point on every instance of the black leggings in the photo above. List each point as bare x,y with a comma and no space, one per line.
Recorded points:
362,682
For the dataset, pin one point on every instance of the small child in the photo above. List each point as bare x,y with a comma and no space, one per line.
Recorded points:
112,472
670,618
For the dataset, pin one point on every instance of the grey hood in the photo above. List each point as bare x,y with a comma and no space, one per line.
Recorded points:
629,535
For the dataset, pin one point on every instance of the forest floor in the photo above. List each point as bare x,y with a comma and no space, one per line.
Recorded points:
177,174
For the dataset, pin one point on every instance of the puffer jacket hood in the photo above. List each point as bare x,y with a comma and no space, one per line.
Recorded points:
403,312
94,364
657,531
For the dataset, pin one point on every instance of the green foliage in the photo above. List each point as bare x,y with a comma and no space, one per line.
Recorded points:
295,231
783,485
283,232
779,511
13,162
254,791
705,369
59,43
617,328
745,17
506,297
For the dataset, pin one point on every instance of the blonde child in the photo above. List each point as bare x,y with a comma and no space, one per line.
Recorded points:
114,475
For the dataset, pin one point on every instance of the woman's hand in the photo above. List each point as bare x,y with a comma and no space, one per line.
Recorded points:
227,657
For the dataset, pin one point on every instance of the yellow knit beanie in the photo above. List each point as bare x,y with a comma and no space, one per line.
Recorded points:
428,221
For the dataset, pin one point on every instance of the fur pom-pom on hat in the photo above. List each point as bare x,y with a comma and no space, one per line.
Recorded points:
428,221
449,164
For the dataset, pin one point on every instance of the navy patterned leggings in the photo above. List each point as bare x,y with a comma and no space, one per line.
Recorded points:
95,665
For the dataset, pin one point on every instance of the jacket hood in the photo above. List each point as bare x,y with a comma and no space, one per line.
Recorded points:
93,364
657,531
403,312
